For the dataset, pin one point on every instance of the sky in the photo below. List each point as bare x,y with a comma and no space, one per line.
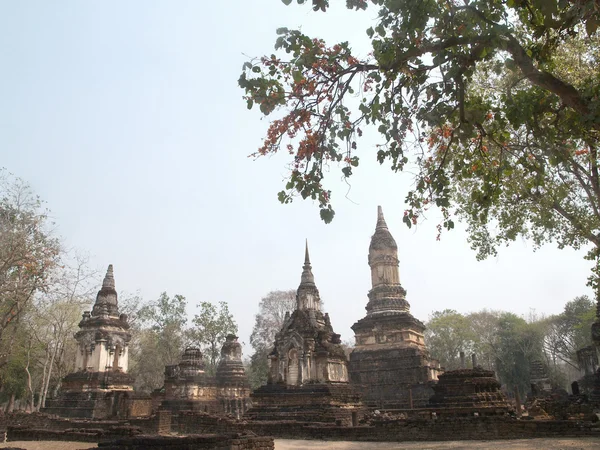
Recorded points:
126,118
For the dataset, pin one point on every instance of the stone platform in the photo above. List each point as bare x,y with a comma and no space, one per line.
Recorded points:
317,402
465,392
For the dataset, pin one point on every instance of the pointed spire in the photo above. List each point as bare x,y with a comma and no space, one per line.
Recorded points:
380,219
306,256
109,278
107,295
307,275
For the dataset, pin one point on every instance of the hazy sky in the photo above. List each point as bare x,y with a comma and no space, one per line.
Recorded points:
127,119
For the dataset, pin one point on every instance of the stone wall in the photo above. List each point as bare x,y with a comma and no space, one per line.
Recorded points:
100,433
391,378
396,430
39,426
197,442
139,407
414,429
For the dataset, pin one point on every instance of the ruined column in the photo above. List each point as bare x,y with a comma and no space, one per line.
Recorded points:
463,365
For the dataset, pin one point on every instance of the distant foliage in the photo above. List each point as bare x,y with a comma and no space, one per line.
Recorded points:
159,340
210,328
267,323
509,344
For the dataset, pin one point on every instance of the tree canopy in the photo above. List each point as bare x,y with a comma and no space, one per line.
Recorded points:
493,104
510,345
210,328
267,323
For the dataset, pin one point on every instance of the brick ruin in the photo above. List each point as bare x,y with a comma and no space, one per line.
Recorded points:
100,387
587,357
233,388
308,377
188,387
540,382
390,362
466,392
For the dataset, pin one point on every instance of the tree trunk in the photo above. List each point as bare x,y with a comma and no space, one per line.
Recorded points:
11,403
45,393
44,374
30,404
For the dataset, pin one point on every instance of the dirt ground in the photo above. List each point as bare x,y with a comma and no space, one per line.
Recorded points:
49,445
285,444
521,444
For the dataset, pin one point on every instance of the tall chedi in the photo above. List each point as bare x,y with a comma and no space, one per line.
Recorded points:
390,361
100,384
308,374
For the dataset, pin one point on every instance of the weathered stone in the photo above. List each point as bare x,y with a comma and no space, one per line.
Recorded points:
468,391
232,382
539,377
188,387
390,362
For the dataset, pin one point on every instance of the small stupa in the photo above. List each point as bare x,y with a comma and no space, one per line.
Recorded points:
100,385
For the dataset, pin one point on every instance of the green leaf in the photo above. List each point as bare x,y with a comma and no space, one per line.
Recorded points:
297,75
591,25
286,2
327,214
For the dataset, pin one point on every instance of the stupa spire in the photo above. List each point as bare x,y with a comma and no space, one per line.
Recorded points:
307,296
386,295
109,278
107,295
307,275
380,219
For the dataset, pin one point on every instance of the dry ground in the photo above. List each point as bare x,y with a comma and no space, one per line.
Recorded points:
520,444
285,444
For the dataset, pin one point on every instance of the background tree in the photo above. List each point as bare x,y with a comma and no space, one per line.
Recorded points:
267,323
519,344
485,328
28,253
494,103
159,339
569,331
447,334
211,327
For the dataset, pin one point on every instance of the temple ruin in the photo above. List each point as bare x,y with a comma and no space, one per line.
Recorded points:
308,378
538,378
189,388
100,386
466,392
233,388
390,362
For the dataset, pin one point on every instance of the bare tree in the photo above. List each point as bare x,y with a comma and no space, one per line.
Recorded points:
269,320
28,251
53,320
